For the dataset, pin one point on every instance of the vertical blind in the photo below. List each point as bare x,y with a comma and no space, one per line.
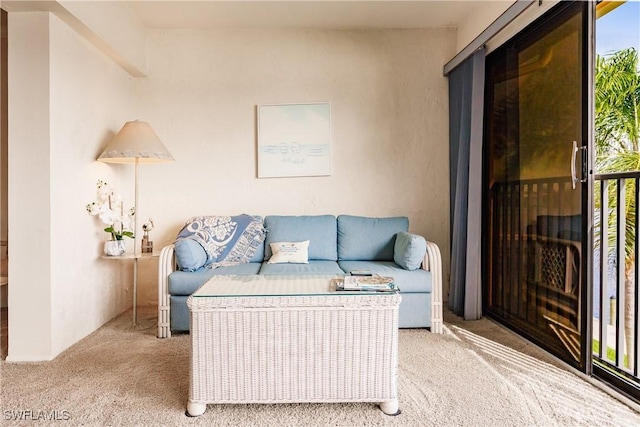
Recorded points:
466,104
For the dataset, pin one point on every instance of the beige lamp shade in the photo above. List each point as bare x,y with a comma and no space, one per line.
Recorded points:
136,141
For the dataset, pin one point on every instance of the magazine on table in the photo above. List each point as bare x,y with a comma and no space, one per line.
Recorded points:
361,272
366,283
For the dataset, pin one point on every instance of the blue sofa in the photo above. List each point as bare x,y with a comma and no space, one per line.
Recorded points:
337,245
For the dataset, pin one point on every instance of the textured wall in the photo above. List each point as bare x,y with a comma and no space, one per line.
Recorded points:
91,97
389,104
64,97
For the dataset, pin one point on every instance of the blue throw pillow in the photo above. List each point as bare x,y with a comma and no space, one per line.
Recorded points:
409,250
190,255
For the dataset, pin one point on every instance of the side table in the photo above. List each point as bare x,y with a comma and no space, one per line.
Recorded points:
135,257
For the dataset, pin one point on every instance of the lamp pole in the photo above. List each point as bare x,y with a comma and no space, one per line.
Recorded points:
135,248
135,216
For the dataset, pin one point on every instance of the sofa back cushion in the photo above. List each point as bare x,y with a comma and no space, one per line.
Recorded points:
259,255
319,230
368,239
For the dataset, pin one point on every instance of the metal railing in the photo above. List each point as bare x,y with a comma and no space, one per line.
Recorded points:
616,278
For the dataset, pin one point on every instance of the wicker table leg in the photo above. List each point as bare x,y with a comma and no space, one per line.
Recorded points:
390,407
195,409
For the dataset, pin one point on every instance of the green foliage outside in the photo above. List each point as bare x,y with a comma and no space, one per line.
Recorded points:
617,100
611,353
617,139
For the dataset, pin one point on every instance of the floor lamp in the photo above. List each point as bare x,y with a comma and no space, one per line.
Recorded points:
136,143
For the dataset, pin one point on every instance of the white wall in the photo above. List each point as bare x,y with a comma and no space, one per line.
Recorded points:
389,104
110,26
91,99
29,192
65,100
479,20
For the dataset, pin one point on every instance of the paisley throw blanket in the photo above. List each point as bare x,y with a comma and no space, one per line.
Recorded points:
227,240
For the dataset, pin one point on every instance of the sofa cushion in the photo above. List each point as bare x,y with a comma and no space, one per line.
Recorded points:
319,230
415,310
259,255
190,255
370,239
289,252
409,250
313,267
180,314
186,283
407,281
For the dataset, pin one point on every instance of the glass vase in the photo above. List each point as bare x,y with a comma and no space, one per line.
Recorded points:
114,247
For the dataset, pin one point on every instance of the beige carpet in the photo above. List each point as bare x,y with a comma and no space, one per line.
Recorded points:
466,377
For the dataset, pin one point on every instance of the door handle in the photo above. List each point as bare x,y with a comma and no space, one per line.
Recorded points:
574,153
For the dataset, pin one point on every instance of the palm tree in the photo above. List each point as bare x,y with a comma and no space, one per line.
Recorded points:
617,137
617,103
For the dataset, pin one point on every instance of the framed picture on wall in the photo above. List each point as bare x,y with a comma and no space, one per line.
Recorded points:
294,140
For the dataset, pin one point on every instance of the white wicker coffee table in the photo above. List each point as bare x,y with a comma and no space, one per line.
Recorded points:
285,339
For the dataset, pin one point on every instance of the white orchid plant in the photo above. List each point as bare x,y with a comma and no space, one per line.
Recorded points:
110,208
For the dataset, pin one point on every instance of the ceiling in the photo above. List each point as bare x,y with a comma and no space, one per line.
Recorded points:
324,14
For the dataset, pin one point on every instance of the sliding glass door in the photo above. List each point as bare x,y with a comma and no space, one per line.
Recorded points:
535,194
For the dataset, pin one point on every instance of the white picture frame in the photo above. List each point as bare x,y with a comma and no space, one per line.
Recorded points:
294,140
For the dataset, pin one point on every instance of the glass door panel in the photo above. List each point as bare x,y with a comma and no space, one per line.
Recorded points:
534,131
